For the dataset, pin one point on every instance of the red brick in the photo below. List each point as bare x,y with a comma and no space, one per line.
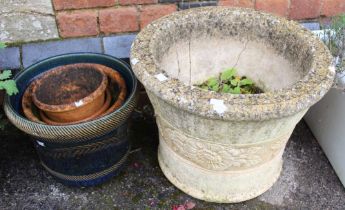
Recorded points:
114,20
153,12
79,4
79,23
278,7
237,3
333,7
131,2
304,9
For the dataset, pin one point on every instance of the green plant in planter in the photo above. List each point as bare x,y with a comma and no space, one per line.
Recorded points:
7,84
334,38
229,82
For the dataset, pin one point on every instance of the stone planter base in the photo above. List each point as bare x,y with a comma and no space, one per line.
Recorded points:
205,184
219,171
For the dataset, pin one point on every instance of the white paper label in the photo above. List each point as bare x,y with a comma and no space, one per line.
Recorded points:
161,77
332,68
79,103
134,61
40,143
218,105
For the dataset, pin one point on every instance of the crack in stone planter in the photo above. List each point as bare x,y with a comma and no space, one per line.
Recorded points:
225,147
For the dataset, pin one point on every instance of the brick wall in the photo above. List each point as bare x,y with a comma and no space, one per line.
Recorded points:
77,18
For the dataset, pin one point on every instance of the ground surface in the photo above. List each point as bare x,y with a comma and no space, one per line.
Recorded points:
307,181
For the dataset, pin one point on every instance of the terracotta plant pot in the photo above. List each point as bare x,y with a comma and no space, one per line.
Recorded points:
29,109
117,88
70,93
99,113
223,147
115,80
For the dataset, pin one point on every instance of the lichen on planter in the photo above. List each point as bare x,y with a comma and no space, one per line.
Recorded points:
224,147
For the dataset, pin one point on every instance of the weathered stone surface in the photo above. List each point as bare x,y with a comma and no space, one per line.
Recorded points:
9,58
236,141
24,27
118,46
292,98
26,6
36,52
23,21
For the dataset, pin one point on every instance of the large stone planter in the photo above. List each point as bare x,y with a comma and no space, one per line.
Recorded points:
224,147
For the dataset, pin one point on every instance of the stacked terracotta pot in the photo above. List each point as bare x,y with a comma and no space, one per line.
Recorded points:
73,94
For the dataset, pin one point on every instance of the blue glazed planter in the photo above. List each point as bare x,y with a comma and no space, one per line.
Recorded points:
83,154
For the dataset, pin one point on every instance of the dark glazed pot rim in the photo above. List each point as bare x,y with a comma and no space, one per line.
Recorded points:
77,132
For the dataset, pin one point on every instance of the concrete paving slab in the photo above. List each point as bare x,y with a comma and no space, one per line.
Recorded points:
38,51
25,21
33,6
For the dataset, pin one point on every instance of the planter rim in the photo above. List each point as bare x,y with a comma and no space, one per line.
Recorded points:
58,134
274,104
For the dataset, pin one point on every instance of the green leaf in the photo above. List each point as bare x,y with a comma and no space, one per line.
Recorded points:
212,82
215,87
6,74
2,45
246,82
228,74
234,82
236,90
10,87
226,88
